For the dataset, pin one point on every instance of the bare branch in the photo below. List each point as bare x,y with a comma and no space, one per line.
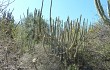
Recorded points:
4,4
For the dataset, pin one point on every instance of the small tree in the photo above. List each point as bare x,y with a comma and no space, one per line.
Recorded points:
7,20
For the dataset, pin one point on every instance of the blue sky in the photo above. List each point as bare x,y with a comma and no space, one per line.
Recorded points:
61,8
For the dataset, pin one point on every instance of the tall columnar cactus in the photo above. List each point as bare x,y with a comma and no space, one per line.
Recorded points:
40,25
101,12
50,17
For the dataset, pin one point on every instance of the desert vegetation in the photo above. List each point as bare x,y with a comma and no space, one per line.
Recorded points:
35,44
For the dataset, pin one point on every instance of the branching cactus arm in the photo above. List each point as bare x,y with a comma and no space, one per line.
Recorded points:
101,11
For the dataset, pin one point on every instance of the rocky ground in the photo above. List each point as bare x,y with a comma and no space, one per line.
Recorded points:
38,60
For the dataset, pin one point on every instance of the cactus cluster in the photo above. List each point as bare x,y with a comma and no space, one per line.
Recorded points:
65,39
